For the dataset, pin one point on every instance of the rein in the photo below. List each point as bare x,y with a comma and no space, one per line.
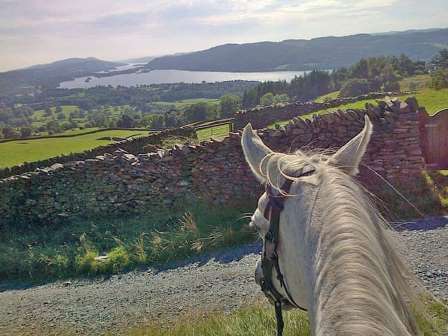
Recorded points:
269,259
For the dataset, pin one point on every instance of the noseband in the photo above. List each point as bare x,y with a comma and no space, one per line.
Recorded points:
269,259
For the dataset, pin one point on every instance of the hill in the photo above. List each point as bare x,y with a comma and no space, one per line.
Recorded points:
27,80
324,52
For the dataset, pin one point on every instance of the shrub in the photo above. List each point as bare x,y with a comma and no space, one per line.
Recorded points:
267,99
439,79
355,87
25,132
87,262
281,98
391,86
117,259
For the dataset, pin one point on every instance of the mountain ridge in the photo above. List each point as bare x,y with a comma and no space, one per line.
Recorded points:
49,75
301,54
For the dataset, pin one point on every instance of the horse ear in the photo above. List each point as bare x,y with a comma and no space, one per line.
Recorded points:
350,155
254,151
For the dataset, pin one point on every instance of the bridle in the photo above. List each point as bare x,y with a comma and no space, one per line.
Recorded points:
269,258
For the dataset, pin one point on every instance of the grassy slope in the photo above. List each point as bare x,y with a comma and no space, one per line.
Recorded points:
417,82
16,152
432,100
181,104
328,96
39,118
61,251
213,132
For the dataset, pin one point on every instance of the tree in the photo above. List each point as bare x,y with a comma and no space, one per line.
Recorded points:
9,133
391,86
170,119
439,79
250,98
60,116
440,61
53,127
25,132
48,111
126,121
153,121
361,69
355,87
58,109
229,105
281,98
267,99
196,112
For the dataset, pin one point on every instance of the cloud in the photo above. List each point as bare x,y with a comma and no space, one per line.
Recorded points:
43,30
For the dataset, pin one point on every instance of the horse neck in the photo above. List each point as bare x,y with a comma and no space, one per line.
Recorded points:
355,288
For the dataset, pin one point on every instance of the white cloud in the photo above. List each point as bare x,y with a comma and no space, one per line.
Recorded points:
41,30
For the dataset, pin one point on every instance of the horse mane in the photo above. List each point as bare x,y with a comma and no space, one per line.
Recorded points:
360,283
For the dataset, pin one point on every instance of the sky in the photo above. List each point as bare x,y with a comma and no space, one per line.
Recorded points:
42,31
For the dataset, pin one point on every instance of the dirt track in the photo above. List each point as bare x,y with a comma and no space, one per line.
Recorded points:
220,281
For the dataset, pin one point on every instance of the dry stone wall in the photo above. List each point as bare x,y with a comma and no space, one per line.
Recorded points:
132,145
259,117
263,116
121,183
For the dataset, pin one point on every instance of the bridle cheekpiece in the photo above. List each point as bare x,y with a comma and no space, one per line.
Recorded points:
269,258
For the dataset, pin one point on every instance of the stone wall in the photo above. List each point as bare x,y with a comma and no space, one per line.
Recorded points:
263,116
259,117
215,172
132,145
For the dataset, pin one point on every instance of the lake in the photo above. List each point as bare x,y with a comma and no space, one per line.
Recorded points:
177,76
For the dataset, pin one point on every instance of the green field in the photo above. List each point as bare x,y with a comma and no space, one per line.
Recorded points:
328,96
182,104
220,131
432,100
16,152
78,131
39,117
417,82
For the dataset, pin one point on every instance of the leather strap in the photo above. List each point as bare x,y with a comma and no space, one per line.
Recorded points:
269,259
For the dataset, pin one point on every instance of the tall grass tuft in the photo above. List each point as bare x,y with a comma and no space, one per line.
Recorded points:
104,245
250,321
259,320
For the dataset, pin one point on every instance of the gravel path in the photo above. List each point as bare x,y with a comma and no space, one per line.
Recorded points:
220,281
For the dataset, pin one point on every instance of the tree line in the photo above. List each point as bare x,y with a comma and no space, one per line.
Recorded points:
368,75
129,107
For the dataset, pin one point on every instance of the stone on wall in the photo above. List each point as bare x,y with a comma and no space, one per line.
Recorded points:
125,182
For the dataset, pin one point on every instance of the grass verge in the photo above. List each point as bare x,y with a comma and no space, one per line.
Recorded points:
105,246
259,320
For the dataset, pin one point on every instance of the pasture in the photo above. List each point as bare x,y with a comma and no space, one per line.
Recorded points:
219,131
182,104
40,118
28,150
432,100
328,96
